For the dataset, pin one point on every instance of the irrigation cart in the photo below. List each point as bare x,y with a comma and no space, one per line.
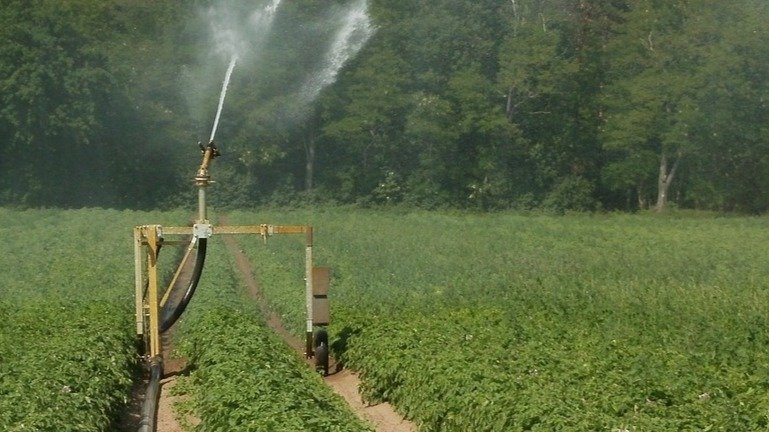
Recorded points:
158,309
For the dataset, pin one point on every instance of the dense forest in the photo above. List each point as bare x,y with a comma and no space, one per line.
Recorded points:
489,104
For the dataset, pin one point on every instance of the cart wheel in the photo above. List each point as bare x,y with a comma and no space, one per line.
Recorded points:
321,358
321,338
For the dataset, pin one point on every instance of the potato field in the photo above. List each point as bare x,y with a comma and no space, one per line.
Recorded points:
67,347
464,322
505,322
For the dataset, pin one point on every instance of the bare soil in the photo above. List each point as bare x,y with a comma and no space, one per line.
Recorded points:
168,420
344,382
131,415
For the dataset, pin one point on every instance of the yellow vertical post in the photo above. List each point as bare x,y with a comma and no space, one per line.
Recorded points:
139,288
151,233
308,289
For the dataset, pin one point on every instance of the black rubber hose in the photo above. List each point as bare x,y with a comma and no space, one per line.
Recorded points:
150,405
172,313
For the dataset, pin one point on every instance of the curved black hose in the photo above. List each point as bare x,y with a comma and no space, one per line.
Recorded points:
149,407
170,313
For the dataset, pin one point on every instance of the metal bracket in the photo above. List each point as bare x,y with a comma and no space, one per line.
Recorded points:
202,230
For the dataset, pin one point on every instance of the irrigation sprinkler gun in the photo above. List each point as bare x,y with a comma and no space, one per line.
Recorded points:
157,312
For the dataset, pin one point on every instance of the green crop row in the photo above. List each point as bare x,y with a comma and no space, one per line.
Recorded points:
243,377
512,323
64,366
67,354
464,322
481,369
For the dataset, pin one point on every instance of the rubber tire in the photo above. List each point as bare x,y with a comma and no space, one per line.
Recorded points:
321,358
321,338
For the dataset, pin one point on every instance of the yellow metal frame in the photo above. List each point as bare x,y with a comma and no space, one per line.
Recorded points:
147,238
147,304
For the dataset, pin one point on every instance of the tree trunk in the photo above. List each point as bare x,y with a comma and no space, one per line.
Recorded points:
664,181
309,166
641,196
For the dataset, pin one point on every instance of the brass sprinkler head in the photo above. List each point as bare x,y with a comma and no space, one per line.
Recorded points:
202,178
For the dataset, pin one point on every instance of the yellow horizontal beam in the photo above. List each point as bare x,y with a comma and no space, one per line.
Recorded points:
176,230
263,229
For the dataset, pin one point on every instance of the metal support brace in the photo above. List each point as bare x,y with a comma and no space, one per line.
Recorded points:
153,233
309,352
139,281
148,304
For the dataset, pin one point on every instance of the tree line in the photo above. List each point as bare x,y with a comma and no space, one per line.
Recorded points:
561,105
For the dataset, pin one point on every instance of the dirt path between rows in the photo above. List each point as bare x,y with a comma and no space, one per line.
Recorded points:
168,420
344,382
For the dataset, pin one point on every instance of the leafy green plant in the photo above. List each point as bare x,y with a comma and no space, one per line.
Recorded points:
67,354
65,365
243,376
514,323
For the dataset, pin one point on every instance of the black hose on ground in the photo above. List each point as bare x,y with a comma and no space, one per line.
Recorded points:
170,313
149,407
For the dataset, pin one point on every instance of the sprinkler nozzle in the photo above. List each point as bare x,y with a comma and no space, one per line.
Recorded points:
214,150
202,178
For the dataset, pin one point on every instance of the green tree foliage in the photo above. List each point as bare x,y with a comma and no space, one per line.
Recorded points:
729,170
54,88
480,104
366,133
68,121
684,91
649,105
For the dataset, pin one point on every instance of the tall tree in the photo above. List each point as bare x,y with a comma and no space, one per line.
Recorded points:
552,68
55,86
651,102
365,137
729,169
